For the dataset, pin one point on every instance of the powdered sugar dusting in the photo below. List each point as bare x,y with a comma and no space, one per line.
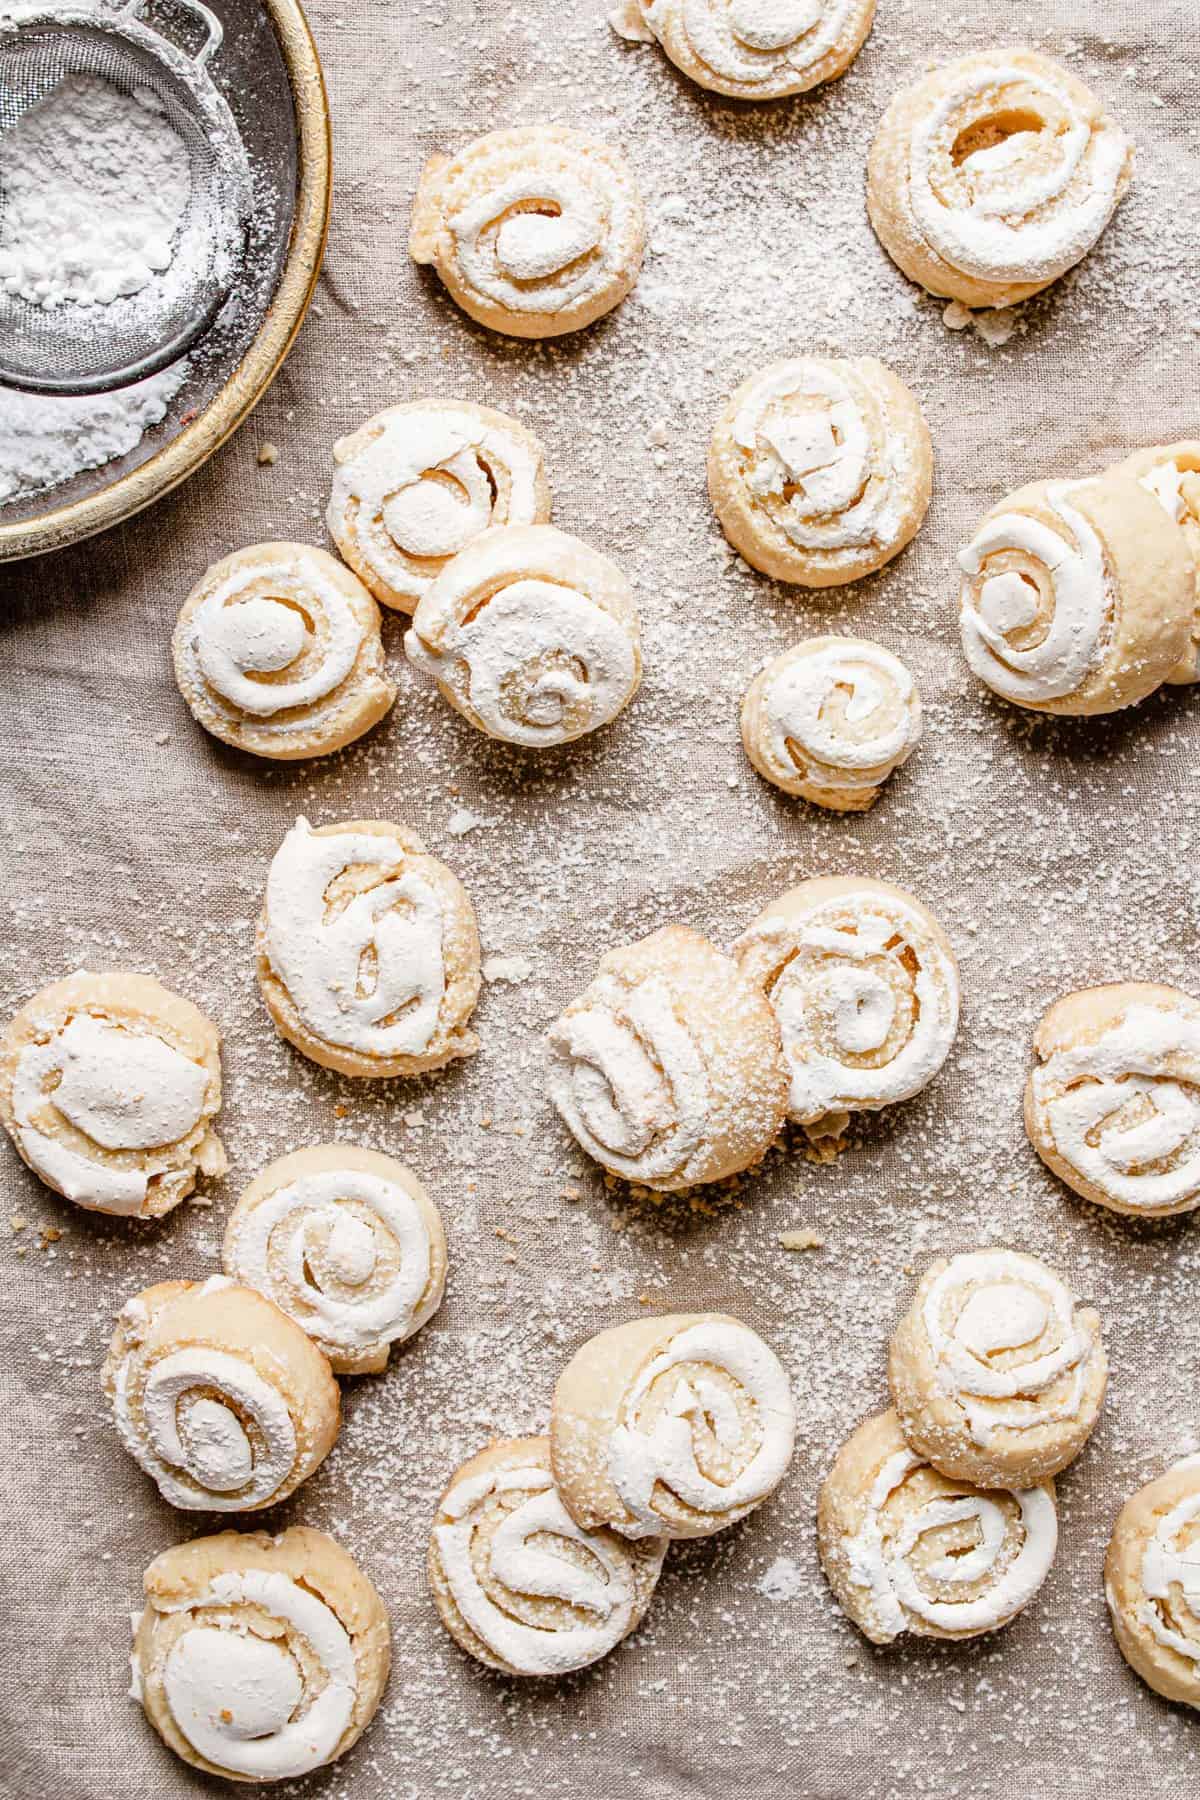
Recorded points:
93,184
1055,853
45,439
784,1580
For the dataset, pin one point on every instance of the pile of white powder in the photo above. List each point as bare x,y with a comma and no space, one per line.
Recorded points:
93,184
44,441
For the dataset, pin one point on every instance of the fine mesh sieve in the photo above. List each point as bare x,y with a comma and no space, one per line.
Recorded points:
88,347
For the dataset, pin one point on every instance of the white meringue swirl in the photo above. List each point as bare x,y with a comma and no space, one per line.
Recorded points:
209,1428
1005,1344
368,976
345,1252
818,457
265,1707
1034,626
1013,1550
502,1544
532,635
1028,206
717,1397
1116,1113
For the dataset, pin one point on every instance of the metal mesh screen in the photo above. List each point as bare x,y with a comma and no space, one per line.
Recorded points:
74,347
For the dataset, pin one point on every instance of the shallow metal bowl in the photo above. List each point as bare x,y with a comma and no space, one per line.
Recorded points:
269,72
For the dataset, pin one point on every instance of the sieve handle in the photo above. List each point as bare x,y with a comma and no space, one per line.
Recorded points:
210,21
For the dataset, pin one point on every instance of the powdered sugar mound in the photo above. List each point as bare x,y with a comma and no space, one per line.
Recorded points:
44,441
93,184
462,820
782,1581
507,968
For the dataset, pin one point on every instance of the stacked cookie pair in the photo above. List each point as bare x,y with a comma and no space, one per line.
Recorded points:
255,1657
1083,597
679,1064
545,1551
224,1391
440,509
938,1517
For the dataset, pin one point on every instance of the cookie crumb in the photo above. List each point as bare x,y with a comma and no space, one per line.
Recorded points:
826,1138
995,326
267,454
801,1239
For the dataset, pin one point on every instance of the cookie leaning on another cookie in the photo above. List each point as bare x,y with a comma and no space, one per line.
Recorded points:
347,1243
677,1426
667,1068
218,1395
908,1550
1171,472
997,1373
863,982
531,635
417,482
517,1582
1078,596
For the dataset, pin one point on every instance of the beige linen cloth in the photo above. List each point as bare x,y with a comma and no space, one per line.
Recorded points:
1057,854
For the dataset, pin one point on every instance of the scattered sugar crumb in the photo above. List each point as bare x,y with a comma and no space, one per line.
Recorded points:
995,325
507,968
782,1581
462,820
801,1239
